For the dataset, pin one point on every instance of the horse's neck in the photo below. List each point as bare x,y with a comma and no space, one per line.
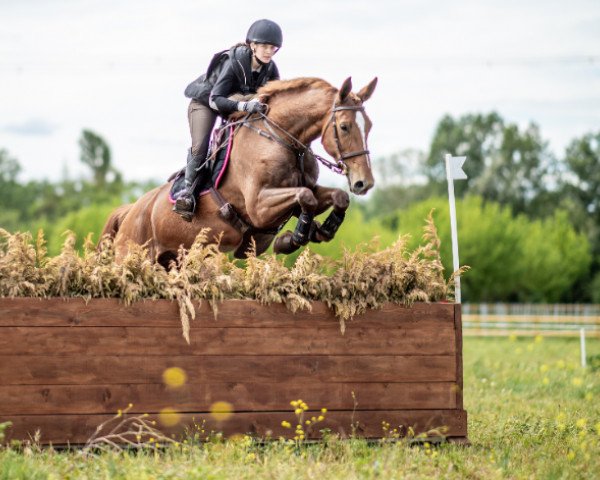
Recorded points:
303,115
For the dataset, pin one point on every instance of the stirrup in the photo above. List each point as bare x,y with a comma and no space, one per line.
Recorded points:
183,209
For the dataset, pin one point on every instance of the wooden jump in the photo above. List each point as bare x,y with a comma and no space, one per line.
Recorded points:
66,366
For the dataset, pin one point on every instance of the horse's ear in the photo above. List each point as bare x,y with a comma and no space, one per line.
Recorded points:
366,92
345,90
264,98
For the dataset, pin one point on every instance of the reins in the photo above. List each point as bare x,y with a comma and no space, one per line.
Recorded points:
339,166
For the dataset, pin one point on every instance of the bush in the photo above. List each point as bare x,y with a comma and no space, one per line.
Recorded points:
511,258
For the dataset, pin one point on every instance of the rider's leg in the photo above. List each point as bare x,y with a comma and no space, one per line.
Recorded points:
201,119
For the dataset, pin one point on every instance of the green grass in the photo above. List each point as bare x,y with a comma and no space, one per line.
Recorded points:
533,413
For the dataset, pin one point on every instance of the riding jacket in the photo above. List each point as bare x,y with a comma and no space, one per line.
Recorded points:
230,72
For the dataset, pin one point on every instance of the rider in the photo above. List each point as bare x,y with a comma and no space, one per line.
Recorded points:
232,79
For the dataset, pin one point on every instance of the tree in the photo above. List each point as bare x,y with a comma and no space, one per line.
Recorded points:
581,196
518,172
96,154
582,181
505,164
478,136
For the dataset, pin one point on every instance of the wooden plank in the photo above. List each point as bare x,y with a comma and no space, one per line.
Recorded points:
76,429
428,337
19,312
52,370
459,357
72,399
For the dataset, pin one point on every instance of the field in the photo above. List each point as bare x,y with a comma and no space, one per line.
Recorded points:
533,413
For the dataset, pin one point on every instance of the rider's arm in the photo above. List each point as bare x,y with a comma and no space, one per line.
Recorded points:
226,84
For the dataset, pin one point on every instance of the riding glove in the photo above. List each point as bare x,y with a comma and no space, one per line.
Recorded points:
253,106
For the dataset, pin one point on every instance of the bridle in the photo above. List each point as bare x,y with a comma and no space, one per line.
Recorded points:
332,121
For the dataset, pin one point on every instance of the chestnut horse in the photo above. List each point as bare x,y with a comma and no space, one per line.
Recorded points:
272,176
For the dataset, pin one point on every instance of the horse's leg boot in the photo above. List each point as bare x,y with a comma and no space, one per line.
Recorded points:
302,231
285,244
330,225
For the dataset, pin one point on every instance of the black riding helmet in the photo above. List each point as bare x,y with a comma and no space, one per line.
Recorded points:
265,31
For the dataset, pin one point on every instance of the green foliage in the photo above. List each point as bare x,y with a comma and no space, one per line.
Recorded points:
82,222
512,258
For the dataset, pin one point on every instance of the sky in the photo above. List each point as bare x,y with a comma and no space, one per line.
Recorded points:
119,68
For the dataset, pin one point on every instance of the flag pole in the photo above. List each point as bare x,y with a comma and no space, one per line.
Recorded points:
453,228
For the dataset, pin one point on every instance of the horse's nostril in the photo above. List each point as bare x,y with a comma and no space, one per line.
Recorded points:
358,186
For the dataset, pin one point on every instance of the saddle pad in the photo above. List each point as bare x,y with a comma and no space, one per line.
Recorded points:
213,171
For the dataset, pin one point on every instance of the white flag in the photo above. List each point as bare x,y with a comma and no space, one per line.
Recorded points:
456,171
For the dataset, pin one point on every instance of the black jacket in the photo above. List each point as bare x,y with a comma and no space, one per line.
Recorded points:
230,72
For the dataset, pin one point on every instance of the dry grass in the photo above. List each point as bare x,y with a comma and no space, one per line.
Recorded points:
363,278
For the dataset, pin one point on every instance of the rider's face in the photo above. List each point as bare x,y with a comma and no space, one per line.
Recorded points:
263,51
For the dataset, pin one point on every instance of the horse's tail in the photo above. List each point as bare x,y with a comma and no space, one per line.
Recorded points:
115,219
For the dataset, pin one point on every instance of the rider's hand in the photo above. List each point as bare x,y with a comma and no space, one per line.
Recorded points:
253,106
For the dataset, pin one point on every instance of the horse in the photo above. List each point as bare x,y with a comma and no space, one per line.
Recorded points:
272,176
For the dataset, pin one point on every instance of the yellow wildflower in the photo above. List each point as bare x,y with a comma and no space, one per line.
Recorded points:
544,368
285,424
577,381
174,377
221,410
581,423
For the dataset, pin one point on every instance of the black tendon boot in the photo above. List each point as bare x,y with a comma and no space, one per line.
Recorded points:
185,205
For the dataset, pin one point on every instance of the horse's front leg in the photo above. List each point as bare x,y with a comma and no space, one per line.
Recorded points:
326,198
274,204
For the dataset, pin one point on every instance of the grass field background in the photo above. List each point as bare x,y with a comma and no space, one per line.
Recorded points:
533,413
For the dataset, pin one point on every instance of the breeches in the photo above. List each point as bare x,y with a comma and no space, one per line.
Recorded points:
201,120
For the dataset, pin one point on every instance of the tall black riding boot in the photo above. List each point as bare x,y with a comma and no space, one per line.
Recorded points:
185,205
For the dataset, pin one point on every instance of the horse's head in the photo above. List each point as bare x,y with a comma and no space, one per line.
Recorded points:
344,136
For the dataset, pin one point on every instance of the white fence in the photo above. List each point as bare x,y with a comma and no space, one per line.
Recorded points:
527,319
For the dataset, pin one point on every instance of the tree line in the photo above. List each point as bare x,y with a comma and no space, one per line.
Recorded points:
529,219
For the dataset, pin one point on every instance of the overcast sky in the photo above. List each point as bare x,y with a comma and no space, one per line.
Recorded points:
120,68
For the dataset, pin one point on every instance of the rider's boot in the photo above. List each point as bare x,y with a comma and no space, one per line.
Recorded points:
185,205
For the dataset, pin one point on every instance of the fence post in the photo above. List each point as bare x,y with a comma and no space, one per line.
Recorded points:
582,347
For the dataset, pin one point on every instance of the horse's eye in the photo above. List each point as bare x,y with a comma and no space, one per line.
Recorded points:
344,127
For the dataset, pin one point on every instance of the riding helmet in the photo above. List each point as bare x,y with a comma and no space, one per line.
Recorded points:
265,31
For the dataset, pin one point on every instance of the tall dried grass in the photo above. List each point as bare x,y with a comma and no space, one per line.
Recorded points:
363,278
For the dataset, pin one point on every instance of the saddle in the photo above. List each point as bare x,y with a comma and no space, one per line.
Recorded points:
212,171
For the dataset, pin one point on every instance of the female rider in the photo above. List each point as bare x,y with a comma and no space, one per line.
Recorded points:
231,79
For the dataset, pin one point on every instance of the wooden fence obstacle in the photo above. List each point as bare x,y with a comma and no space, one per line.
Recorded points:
67,365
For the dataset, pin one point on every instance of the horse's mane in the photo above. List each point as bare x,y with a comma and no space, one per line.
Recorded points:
276,87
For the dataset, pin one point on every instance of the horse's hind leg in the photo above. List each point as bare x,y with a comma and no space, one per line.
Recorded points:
329,197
